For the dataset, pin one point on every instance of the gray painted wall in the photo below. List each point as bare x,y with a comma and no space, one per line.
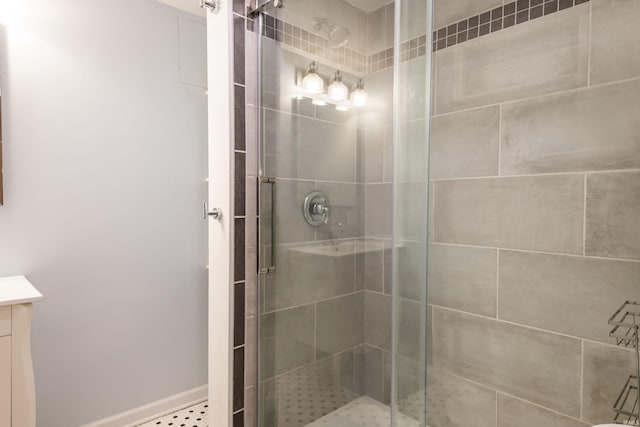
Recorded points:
105,154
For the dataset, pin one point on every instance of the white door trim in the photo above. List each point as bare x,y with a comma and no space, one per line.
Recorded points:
220,71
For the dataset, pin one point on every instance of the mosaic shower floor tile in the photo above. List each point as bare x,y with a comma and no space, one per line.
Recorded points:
362,412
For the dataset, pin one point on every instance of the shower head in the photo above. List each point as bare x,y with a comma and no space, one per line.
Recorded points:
338,36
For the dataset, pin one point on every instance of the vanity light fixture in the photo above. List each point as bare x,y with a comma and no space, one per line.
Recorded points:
338,91
312,83
359,96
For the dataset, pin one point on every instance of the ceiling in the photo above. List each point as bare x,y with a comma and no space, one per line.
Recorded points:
368,6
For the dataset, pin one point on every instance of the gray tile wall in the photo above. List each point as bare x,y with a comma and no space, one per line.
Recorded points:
535,158
534,170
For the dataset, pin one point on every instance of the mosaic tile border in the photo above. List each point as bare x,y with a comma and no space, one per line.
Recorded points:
490,21
301,39
239,147
496,19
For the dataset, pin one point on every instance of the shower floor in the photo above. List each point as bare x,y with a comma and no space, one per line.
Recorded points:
362,412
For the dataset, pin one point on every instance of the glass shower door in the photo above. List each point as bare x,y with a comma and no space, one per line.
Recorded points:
342,309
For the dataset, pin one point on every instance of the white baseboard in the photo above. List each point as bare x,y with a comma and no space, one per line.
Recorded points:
153,410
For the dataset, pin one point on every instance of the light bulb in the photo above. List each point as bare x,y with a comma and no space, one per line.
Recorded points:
338,91
359,96
312,83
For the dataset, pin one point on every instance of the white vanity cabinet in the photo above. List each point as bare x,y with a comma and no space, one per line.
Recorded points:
17,388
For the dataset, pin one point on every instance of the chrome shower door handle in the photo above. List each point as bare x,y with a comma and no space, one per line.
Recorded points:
271,267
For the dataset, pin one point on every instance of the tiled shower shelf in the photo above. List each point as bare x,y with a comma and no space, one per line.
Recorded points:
340,248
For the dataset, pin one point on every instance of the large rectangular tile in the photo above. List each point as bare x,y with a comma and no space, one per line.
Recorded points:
302,277
410,380
454,402
377,320
515,412
615,40
340,324
370,154
412,149
541,56
306,148
346,218
464,278
379,112
372,367
584,130
377,31
412,91
412,271
540,367
289,224
412,210
606,370
287,340
613,209
451,11
374,265
568,294
278,90
378,210
538,213
337,371
411,330
465,144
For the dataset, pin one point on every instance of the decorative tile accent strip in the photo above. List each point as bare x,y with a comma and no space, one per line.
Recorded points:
499,18
239,147
298,38
410,49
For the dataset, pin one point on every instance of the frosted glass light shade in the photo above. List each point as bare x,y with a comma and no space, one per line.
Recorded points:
312,83
338,91
359,98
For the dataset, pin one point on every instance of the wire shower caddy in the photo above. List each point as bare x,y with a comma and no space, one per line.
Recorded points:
626,332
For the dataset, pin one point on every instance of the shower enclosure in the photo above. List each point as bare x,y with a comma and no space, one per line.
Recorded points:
440,213
343,169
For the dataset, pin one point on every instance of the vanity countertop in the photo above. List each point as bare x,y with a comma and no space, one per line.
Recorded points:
17,290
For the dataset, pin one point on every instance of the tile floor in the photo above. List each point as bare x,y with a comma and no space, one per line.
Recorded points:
192,416
362,412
